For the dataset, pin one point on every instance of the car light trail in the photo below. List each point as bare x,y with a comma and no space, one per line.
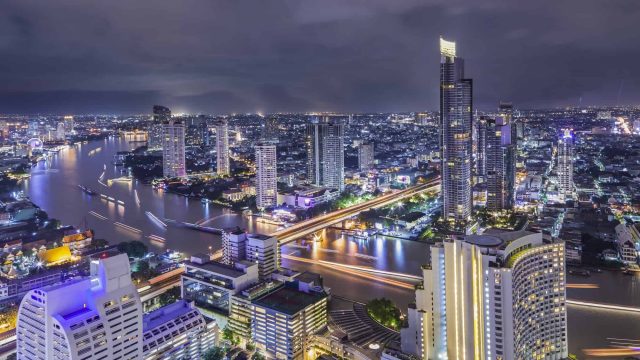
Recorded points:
608,353
155,219
157,238
135,195
97,215
127,227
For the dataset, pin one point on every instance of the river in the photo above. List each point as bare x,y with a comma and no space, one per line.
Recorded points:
53,187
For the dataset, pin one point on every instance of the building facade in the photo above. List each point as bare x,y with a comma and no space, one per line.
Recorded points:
234,245
264,251
173,151
498,296
565,165
500,160
366,156
266,175
90,319
456,93
325,153
161,115
223,167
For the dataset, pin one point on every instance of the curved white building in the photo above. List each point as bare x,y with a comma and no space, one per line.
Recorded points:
95,318
497,296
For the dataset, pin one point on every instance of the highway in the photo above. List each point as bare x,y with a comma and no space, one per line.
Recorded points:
317,223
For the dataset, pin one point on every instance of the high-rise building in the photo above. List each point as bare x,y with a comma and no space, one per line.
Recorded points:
565,165
266,175
480,163
365,156
456,93
161,115
325,153
492,296
500,159
222,148
99,317
60,131
173,152
300,307
264,251
233,245
177,331
69,124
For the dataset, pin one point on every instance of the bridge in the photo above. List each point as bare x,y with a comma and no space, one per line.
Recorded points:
318,223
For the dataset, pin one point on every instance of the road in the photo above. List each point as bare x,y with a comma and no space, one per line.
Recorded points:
317,223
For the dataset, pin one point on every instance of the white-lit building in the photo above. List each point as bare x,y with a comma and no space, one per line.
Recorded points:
173,152
233,245
565,165
493,296
222,148
96,318
264,251
266,176
325,153
366,159
177,331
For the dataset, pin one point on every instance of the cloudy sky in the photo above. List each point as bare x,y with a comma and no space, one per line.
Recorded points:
217,56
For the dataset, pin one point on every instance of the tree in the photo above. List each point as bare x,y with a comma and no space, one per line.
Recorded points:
385,312
228,335
214,353
134,249
257,356
170,296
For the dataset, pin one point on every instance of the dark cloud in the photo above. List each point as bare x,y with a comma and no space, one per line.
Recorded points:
308,55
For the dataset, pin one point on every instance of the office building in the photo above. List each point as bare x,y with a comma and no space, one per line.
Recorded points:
173,152
177,331
565,165
99,317
222,148
161,115
500,295
299,306
500,160
210,284
264,251
325,153
456,105
266,175
480,163
366,157
233,245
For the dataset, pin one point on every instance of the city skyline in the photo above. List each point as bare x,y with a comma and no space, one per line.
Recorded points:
304,63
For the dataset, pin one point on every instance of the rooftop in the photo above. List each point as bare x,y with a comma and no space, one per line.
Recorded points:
165,314
217,268
289,300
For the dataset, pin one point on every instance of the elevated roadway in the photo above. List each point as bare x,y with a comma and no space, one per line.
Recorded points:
318,223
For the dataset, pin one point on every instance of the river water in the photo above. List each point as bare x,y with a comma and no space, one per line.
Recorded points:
53,187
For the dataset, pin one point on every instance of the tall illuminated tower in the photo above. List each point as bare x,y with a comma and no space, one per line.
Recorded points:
325,153
500,145
222,148
565,165
491,296
456,143
173,152
161,115
266,175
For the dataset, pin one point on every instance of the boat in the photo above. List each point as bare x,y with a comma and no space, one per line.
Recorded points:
580,272
87,190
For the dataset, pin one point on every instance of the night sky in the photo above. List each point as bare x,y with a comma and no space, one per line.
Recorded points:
218,56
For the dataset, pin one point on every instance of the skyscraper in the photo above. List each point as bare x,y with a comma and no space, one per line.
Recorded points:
266,175
325,153
565,165
500,159
456,104
264,251
222,148
365,156
491,296
234,246
161,115
99,317
173,156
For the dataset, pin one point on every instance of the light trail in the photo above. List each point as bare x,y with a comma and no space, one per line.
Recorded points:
127,227
345,269
137,199
101,176
583,286
155,219
157,238
608,353
603,306
97,215
101,183
120,202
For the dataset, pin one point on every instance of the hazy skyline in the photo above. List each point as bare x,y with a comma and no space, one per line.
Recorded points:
74,56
